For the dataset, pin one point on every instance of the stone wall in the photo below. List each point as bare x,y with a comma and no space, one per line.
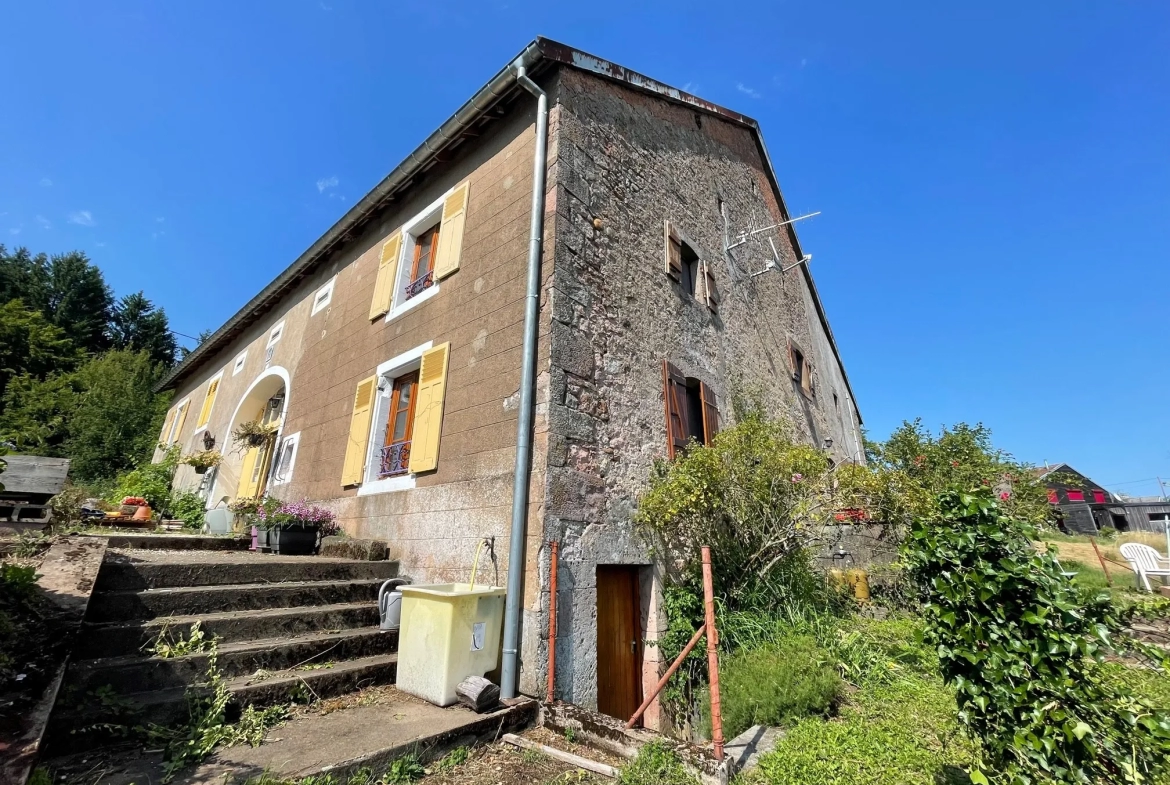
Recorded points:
625,162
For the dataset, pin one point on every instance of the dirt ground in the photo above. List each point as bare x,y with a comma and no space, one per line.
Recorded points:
503,764
1080,549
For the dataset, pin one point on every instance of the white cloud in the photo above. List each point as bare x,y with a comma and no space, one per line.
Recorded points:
746,90
14,230
46,182
100,245
325,183
82,218
44,222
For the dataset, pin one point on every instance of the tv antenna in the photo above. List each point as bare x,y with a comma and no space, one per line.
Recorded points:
774,263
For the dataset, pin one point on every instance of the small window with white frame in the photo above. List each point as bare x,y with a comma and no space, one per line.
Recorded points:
273,338
416,268
238,364
286,459
323,297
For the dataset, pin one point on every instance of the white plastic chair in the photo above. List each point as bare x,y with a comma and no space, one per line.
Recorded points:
1145,562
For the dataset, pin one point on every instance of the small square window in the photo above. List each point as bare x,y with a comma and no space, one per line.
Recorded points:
1098,496
1075,495
801,369
238,365
286,457
323,297
1052,497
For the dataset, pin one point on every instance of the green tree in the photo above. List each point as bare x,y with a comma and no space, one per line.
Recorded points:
72,293
30,344
37,412
15,274
117,420
136,324
961,456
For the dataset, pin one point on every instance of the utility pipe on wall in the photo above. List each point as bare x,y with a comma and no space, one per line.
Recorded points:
510,672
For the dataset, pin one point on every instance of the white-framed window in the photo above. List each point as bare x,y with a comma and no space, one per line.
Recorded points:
397,368
273,338
323,297
238,363
415,282
285,459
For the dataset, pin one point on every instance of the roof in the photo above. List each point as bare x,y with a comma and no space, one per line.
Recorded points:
486,105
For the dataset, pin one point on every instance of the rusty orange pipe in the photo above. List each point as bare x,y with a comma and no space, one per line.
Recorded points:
1100,558
666,677
552,621
712,655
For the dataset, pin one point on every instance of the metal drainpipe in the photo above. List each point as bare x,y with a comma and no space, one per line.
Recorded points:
510,673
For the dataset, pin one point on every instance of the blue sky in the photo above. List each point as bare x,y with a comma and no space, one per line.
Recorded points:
994,179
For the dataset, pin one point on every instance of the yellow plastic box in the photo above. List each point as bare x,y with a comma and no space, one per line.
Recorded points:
449,632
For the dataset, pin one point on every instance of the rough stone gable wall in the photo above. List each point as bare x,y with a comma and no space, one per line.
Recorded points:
625,162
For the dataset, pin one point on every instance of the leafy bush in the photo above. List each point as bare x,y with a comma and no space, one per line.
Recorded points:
151,481
188,507
17,579
656,764
1024,648
774,686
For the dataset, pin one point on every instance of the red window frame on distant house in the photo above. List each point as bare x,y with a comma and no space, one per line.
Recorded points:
1098,496
1052,497
1075,495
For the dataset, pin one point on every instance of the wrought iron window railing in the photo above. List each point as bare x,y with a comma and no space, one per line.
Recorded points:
395,460
420,284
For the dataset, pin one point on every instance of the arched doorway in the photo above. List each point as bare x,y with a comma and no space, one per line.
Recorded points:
262,409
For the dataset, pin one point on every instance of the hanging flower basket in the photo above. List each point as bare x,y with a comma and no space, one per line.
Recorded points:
253,434
203,460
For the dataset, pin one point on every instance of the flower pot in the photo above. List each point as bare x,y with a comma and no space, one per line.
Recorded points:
201,469
288,541
263,539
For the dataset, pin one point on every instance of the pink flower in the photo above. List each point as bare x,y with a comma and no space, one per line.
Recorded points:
1004,495
797,477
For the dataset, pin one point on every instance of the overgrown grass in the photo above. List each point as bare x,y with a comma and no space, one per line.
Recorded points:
774,685
656,764
903,733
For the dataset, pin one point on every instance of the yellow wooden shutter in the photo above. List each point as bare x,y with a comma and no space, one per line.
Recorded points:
208,402
451,232
428,409
359,432
182,418
166,431
247,486
387,273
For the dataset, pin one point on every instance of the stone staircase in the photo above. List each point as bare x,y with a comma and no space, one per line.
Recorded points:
287,628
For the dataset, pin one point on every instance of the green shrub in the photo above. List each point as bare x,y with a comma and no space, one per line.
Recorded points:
188,507
1024,648
17,579
151,481
656,764
776,685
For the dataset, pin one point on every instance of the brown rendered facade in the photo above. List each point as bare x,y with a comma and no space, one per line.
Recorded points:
644,316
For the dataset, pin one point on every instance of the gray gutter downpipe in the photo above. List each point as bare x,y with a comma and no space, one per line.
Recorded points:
510,673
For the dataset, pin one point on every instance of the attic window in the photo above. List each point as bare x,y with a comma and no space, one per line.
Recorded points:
1075,495
1098,496
323,297
802,371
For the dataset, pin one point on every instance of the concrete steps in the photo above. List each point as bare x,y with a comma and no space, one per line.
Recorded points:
286,629
132,637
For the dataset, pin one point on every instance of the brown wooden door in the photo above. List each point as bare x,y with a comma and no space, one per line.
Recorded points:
619,641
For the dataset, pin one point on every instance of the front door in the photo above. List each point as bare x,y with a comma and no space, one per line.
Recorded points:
619,641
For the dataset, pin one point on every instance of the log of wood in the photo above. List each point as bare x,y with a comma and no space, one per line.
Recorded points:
478,694
567,757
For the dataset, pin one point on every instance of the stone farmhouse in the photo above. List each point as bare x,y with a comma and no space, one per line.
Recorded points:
389,356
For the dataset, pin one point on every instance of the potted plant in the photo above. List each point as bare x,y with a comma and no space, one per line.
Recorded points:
203,460
295,528
246,511
253,434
